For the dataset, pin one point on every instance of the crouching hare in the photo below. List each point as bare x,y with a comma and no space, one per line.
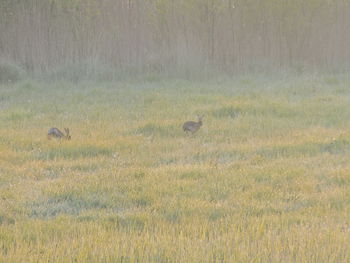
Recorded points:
56,133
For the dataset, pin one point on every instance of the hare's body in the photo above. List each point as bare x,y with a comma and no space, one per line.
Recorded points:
192,126
56,133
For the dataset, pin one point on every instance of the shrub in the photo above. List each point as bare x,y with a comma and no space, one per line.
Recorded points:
10,72
76,72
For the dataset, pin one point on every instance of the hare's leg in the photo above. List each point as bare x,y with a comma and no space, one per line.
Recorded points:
48,137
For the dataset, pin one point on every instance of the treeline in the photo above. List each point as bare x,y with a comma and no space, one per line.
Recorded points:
171,35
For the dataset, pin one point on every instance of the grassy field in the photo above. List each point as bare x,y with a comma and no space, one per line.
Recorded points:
266,179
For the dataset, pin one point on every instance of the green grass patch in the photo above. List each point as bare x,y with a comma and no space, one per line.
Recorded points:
151,129
72,204
74,152
226,112
340,146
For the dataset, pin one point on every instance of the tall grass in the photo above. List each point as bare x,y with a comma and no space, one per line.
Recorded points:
266,179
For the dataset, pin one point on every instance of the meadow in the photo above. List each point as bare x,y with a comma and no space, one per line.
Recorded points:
266,179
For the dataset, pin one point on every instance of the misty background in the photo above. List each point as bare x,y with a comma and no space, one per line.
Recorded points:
106,37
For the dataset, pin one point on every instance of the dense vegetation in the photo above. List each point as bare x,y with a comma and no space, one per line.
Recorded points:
108,36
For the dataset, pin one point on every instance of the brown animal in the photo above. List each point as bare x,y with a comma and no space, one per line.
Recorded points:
192,126
56,133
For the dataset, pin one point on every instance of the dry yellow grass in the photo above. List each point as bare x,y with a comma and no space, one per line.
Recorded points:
266,179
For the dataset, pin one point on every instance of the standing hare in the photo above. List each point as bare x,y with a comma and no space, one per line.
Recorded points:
192,126
56,133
